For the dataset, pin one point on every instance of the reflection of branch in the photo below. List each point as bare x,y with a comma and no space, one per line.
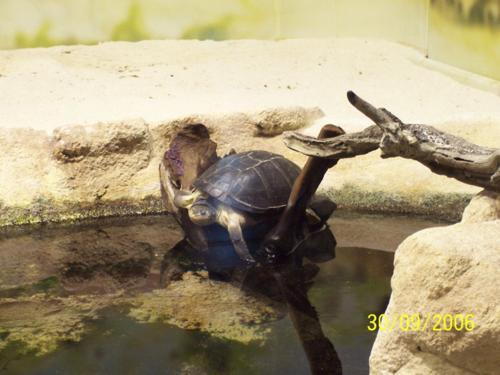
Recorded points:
442,153
320,352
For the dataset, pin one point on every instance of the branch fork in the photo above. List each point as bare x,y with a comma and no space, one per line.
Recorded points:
441,152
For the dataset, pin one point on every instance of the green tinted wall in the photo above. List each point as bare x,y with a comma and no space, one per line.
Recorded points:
465,33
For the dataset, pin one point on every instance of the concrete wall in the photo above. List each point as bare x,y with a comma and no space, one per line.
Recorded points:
465,33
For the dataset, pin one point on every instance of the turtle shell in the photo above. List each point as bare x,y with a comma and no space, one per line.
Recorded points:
253,181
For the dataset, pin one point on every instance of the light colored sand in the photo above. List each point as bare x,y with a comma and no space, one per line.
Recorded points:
160,80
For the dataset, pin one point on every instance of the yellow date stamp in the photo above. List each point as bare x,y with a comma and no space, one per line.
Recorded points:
420,322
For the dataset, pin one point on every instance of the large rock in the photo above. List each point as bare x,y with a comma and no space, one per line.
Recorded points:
483,207
447,270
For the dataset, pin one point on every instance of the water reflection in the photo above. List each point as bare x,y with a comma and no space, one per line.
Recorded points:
321,354
287,283
67,294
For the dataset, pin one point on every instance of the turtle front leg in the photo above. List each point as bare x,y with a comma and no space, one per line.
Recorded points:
236,235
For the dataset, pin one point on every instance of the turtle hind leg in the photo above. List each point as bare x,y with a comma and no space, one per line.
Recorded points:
236,235
323,207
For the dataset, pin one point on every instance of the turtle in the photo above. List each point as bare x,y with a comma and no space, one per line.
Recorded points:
240,190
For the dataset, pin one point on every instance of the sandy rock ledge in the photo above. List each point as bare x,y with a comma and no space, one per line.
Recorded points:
109,169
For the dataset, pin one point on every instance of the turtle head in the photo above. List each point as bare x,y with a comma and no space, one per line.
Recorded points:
185,199
202,212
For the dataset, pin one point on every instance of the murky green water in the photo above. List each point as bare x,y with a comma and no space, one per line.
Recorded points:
87,300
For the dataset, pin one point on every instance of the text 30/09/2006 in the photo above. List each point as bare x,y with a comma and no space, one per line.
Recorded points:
419,322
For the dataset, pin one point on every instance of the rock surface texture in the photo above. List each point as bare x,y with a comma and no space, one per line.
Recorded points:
483,207
447,270
82,129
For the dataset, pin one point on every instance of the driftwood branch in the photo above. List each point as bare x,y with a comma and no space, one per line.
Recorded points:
343,146
441,152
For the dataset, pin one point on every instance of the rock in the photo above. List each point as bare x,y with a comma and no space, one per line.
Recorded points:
276,121
447,270
484,206
25,160
100,161
74,143
428,364
219,308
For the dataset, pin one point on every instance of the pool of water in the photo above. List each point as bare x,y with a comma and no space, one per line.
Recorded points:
89,300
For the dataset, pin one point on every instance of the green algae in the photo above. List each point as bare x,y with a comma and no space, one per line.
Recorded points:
38,324
42,211
217,308
48,285
441,206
